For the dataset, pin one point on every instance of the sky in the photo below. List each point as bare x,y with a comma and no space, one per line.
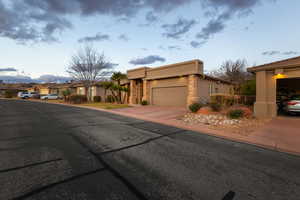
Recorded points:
38,37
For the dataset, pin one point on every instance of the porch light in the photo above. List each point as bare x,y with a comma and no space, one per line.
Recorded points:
279,76
279,73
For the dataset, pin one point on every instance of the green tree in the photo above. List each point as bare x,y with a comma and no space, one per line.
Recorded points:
248,87
66,93
117,77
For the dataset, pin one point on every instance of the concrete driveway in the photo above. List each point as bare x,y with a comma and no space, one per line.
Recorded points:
282,132
54,152
154,112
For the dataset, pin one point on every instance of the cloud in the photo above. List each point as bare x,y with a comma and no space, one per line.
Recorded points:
124,37
196,44
147,60
222,11
174,47
42,21
290,53
22,23
151,17
178,29
213,27
98,37
9,69
272,53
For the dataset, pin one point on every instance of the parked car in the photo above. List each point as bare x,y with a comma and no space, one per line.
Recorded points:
26,95
50,96
292,105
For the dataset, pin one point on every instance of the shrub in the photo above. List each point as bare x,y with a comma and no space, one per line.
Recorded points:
97,98
235,113
195,107
110,99
78,99
247,112
144,102
10,93
216,107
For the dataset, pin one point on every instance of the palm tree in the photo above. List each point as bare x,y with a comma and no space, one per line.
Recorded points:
117,77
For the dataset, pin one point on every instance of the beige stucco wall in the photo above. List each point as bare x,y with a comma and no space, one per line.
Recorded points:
175,70
208,87
44,91
137,73
80,90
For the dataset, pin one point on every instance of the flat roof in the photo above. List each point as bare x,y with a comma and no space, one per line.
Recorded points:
287,63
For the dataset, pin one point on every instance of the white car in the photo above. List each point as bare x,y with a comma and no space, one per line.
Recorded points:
50,96
26,95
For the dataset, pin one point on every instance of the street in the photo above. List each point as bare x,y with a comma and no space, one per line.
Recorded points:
54,152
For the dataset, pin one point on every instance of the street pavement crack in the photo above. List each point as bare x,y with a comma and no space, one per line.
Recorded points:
30,165
127,183
138,144
38,190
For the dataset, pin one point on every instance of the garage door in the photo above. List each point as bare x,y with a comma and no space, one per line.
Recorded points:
169,96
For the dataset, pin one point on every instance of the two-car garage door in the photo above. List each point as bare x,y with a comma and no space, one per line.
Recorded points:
169,96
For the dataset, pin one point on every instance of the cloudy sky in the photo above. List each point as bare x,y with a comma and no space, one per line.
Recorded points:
38,37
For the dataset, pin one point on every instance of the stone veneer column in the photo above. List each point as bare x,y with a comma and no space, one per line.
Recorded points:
193,90
145,90
265,105
132,97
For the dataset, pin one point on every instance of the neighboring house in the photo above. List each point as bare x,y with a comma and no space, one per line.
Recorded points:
179,84
275,82
12,88
60,88
94,90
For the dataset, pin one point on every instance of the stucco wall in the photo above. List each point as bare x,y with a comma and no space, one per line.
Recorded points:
179,69
137,73
208,87
80,90
44,91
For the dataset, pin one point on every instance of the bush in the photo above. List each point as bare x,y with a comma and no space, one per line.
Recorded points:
110,99
247,112
235,113
216,107
97,98
144,102
195,107
78,99
10,94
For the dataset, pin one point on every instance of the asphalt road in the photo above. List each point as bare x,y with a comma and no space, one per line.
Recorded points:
50,152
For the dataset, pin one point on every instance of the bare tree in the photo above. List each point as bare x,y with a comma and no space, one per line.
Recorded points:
233,71
89,66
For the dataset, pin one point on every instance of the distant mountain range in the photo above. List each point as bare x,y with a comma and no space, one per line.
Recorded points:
48,78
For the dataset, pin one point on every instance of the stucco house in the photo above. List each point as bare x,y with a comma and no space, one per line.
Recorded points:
179,84
273,81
